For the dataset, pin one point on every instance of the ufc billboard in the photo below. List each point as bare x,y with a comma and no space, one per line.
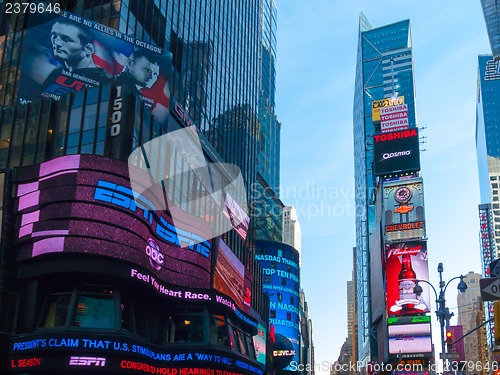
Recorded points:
396,152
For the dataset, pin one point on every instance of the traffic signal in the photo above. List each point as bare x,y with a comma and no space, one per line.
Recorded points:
496,321
449,341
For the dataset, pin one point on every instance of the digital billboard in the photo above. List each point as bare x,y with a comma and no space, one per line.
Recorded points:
406,262
84,204
64,52
404,217
280,267
229,275
238,218
410,338
387,102
396,152
112,353
394,118
259,342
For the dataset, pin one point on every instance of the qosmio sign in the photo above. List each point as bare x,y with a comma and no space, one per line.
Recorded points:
396,152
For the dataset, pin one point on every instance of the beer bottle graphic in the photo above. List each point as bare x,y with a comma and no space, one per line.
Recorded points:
407,282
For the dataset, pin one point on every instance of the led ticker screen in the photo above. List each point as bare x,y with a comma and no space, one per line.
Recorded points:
406,262
280,268
64,53
410,340
403,204
113,352
396,152
84,204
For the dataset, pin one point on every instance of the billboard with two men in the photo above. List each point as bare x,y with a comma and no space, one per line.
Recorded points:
63,53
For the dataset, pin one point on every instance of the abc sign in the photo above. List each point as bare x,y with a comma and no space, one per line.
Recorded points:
156,258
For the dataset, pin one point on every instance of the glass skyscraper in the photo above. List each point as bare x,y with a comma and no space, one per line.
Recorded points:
488,136
384,69
491,11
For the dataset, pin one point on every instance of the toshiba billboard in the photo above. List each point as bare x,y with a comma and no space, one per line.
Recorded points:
396,152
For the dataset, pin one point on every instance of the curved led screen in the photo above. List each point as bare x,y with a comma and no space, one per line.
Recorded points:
280,266
84,204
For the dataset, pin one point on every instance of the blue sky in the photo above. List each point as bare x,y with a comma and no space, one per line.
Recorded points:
317,41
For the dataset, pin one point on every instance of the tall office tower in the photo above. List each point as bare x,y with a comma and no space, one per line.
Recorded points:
93,267
491,12
269,143
266,188
467,311
291,228
384,69
487,136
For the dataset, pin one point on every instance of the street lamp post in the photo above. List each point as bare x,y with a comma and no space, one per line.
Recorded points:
443,313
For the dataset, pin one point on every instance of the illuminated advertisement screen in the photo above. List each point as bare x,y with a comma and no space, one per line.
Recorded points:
84,204
259,342
403,217
394,118
238,218
65,53
396,152
407,262
280,268
410,340
118,353
387,102
229,276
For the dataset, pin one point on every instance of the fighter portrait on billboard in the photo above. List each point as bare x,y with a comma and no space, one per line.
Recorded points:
66,53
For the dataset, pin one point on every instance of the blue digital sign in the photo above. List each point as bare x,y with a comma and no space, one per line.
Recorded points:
280,267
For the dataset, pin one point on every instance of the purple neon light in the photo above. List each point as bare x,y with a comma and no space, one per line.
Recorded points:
59,164
23,189
48,245
57,232
24,231
29,200
30,217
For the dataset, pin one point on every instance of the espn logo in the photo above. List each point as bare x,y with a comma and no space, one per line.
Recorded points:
87,361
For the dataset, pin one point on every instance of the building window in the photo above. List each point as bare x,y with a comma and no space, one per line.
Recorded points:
57,310
283,281
289,316
272,314
292,300
218,331
267,279
87,307
94,311
186,326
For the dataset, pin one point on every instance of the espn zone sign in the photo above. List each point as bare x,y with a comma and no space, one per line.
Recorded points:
87,361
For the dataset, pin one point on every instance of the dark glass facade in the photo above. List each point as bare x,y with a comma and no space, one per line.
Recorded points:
216,80
384,68
265,191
